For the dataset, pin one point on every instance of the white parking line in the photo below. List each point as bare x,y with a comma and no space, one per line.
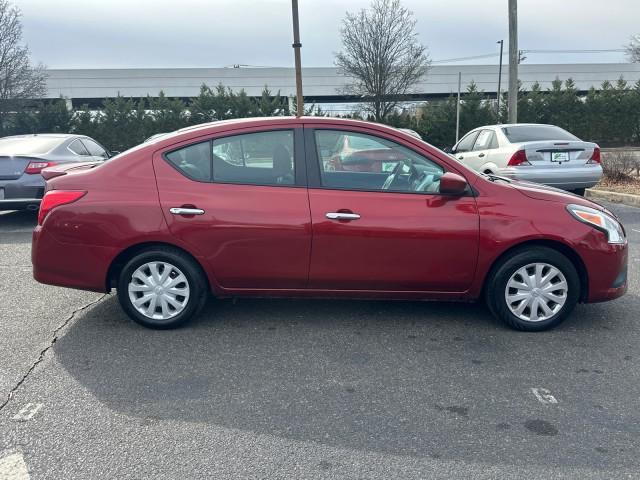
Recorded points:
12,467
635,230
544,396
28,412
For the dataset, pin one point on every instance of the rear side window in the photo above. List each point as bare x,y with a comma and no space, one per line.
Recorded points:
78,148
535,133
94,149
264,158
194,161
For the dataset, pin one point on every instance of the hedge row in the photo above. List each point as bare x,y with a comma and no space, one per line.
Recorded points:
609,115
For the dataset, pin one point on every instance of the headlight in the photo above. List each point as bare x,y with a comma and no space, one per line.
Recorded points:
600,220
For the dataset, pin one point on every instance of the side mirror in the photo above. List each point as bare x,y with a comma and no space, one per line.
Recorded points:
453,184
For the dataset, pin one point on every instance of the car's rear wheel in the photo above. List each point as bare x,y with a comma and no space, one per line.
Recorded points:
162,288
533,289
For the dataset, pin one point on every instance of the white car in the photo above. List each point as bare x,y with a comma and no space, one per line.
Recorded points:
532,152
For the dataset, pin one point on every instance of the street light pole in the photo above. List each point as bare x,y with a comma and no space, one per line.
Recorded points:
501,42
458,107
513,61
296,49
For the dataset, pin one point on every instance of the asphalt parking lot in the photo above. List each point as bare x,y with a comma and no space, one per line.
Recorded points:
311,388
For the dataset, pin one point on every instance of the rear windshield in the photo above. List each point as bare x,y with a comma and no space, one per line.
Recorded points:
27,145
535,133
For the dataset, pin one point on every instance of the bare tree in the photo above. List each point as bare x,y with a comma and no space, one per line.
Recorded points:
382,54
633,49
19,80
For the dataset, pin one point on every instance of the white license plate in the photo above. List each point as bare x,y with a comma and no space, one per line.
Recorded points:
559,156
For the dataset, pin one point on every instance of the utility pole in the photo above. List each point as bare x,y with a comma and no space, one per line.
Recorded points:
296,49
501,42
513,61
458,107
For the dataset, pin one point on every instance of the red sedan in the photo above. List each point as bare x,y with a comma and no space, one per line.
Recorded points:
254,207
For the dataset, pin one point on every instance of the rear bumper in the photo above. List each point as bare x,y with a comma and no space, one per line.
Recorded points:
569,179
69,265
20,204
24,192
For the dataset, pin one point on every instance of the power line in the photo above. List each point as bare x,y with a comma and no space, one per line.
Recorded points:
605,50
489,55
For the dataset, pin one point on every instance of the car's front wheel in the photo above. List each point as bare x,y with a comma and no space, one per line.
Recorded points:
162,288
533,289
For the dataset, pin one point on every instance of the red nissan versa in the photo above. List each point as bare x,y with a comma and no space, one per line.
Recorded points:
250,207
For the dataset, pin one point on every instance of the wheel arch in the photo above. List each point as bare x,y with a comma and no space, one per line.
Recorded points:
125,255
560,247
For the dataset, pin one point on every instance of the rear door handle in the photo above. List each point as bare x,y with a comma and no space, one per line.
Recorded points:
481,155
342,216
460,157
186,211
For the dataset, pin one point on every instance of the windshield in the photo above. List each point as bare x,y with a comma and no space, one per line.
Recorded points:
535,133
28,145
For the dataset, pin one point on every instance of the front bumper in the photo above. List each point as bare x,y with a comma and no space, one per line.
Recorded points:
570,178
607,267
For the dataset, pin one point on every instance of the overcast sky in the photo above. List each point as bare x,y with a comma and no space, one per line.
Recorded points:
216,33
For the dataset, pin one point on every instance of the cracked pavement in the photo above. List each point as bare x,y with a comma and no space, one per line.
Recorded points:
312,388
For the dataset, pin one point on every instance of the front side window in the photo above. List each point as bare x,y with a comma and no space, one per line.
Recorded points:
264,158
355,161
466,144
194,161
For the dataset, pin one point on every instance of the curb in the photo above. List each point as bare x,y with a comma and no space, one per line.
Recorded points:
625,198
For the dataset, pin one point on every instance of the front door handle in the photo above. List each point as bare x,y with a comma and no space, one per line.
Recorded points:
481,155
186,211
460,157
342,216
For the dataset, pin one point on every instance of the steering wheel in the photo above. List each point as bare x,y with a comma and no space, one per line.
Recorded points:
392,177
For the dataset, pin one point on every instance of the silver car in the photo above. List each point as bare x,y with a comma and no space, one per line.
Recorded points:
532,152
22,158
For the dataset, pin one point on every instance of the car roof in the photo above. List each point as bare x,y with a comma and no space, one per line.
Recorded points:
500,125
220,125
46,135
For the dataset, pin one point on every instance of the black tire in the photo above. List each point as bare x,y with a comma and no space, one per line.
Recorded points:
579,191
197,284
502,272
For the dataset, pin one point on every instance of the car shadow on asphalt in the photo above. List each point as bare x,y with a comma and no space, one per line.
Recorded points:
426,379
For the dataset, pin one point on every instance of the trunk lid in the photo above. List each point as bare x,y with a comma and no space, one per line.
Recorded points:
12,168
559,153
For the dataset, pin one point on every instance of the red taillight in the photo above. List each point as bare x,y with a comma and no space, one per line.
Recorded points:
36,167
518,158
595,156
55,198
